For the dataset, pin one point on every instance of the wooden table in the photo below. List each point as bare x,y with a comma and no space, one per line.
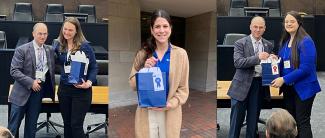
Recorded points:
99,104
3,17
100,95
223,100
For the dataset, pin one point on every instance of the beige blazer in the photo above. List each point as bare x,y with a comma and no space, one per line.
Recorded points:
178,93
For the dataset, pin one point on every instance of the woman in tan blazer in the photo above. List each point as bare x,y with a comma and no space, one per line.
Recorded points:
174,61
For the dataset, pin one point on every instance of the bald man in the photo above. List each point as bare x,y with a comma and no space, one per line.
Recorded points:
246,90
32,68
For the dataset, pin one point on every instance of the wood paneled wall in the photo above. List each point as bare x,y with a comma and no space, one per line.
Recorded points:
39,7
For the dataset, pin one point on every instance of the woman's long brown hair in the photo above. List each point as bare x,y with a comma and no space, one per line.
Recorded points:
78,39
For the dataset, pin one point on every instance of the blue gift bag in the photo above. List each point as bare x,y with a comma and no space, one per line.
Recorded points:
79,64
269,73
77,72
151,89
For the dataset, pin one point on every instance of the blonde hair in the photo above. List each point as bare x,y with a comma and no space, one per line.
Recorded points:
78,39
281,125
5,133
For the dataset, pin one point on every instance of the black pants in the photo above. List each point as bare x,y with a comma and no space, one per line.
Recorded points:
74,104
300,110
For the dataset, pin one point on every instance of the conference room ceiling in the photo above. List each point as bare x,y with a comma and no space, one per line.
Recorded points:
180,8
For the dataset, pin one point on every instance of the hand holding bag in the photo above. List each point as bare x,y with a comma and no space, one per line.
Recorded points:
270,71
79,65
151,87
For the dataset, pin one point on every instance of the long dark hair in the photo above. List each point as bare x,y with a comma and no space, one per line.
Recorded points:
150,44
299,36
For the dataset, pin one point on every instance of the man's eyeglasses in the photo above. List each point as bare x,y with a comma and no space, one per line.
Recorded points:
40,34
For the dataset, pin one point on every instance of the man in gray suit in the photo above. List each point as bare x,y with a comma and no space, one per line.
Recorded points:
246,90
32,68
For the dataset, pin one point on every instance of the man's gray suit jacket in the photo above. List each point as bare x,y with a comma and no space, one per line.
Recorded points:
23,68
244,62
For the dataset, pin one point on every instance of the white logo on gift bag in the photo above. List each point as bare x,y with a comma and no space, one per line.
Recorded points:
275,69
158,82
274,66
157,78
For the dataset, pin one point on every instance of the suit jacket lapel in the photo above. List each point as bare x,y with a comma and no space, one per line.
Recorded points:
47,51
250,46
265,46
32,54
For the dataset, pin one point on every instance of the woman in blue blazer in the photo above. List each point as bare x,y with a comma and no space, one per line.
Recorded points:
74,98
298,80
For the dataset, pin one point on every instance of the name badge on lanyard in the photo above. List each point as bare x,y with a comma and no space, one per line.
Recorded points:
67,64
39,75
286,64
67,69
